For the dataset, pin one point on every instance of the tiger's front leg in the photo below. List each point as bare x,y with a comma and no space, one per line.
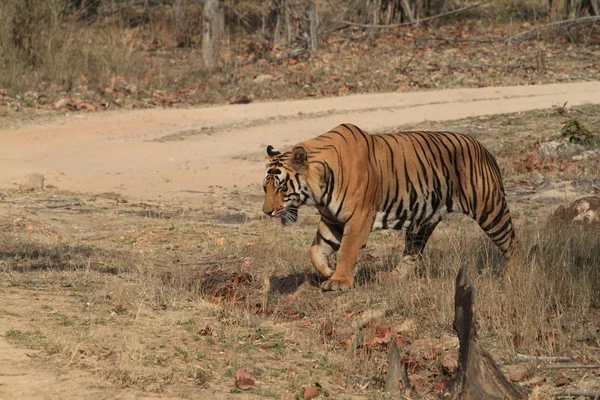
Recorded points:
327,242
356,232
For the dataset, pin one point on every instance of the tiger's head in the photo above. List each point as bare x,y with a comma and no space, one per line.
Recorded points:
285,184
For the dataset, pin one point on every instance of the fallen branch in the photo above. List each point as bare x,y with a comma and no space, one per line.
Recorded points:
416,39
417,20
570,22
215,262
525,357
570,366
64,205
578,393
480,66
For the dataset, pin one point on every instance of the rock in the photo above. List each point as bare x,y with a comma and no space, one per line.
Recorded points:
556,194
560,148
449,363
32,182
60,103
263,78
131,88
536,179
585,211
586,155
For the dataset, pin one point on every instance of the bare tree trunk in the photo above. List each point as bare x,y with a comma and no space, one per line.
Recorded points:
288,28
211,33
313,25
181,35
418,9
559,10
406,11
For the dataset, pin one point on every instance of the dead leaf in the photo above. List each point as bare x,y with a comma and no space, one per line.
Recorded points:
327,328
220,241
564,165
401,89
373,341
243,380
206,331
518,376
562,381
540,382
310,392
241,100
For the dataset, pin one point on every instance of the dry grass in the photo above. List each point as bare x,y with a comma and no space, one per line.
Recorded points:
175,305
155,323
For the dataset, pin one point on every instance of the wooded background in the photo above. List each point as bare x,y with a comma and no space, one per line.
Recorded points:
99,54
297,26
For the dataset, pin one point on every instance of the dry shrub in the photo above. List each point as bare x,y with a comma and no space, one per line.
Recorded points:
42,47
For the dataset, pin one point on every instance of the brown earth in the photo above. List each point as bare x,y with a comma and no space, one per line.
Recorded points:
191,156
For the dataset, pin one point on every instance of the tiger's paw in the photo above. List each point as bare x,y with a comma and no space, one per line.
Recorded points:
336,285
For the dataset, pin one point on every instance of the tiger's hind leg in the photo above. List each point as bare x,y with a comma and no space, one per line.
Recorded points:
327,242
413,249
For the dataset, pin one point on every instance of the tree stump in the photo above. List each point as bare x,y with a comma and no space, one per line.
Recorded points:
396,379
478,377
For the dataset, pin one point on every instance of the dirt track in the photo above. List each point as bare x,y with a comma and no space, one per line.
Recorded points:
178,153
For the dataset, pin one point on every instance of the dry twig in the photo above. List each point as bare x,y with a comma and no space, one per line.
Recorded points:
571,366
526,357
481,66
348,23
64,205
579,393
568,22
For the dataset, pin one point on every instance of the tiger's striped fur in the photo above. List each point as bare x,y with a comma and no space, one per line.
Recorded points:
361,182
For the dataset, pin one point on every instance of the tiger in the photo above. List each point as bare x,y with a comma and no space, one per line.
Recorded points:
408,181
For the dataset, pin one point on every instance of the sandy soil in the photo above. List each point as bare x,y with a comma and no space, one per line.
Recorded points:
181,153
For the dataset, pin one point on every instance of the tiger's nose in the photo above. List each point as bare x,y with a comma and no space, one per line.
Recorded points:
268,211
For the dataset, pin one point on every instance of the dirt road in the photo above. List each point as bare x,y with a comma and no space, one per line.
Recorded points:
178,153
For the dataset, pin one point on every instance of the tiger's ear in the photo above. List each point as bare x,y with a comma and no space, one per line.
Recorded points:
299,157
271,152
